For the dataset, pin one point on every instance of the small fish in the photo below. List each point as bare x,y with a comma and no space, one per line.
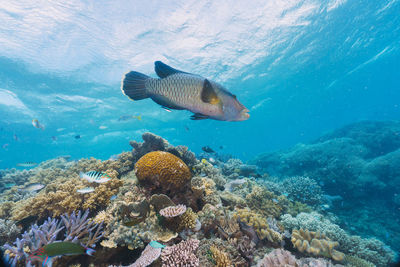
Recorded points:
156,244
5,146
102,127
207,149
9,185
32,187
85,190
37,124
181,90
54,138
15,137
211,160
28,164
45,254
113,197
187,128
94,176
60,129
78,136
129,117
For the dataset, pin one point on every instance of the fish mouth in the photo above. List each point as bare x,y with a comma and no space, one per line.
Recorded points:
244,114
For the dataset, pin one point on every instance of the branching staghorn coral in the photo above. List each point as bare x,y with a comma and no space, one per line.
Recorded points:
77,228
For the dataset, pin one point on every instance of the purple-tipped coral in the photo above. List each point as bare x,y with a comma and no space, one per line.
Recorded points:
182,254
78,227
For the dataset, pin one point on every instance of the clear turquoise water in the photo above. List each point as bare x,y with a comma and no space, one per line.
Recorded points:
301,67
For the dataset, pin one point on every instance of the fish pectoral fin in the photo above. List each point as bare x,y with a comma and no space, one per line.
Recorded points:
198,116
163,70
208,94
164,102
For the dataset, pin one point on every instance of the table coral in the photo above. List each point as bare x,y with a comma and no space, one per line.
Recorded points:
162,169
315,243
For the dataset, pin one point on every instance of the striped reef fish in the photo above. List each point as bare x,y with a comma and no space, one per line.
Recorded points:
27,164
95,177
177,89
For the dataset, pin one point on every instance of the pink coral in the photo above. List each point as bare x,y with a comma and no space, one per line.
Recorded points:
173,211
180,255
148,255
277,258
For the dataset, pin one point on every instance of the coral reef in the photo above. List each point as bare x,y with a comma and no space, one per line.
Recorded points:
60,195
180,255
315,243
162,170
207,213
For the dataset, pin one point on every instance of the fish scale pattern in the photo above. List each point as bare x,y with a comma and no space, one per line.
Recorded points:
163,170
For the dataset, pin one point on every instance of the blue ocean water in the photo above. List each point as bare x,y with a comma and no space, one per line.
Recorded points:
302,68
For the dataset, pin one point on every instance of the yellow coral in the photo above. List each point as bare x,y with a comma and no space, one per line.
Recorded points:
163,169
265,202
259,223
61,197
315,243
220,257
188,220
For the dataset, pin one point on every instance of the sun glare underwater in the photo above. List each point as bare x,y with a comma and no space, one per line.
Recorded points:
200,133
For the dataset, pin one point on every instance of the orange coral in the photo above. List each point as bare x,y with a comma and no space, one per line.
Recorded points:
162,169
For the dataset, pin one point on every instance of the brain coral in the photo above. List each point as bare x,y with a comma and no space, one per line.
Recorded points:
162,169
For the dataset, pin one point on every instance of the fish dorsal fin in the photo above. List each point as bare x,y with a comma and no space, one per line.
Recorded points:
163,70
208,94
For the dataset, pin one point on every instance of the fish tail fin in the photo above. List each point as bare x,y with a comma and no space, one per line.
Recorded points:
90,251
134,85
48,262
139,117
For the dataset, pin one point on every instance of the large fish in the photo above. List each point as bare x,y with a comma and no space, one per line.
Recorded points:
176,89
